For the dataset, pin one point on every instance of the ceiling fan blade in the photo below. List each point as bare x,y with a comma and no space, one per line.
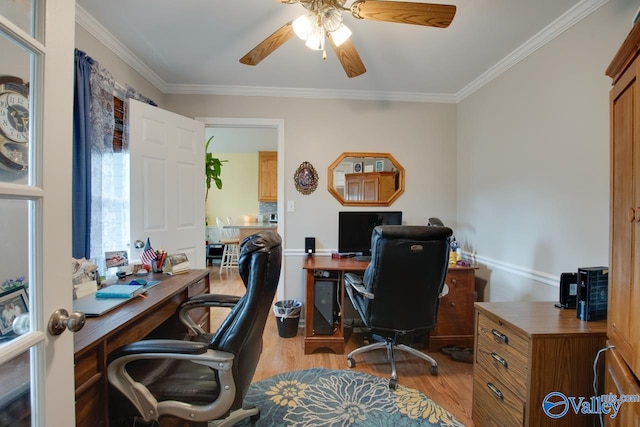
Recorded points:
268,45
431,15
349,58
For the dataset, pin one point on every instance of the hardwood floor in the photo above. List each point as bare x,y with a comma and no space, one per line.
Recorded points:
451,388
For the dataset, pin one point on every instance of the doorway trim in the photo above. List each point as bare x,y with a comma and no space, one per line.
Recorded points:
278,124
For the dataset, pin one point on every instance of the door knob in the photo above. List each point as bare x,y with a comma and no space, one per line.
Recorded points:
61,319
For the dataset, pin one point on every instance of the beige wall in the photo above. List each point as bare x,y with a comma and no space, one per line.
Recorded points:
420,136
533,161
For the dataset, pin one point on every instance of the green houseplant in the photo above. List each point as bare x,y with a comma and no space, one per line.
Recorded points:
213,167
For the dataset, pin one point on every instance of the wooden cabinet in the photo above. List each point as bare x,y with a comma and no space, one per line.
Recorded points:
455,312
370,186
268,176
131,322
524,351
619,380
624,268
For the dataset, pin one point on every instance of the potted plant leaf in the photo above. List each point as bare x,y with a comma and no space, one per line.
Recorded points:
213,167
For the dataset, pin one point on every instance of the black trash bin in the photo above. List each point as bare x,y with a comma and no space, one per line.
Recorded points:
287,317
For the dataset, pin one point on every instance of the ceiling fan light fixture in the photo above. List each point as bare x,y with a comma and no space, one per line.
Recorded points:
315,40
340,35
303,25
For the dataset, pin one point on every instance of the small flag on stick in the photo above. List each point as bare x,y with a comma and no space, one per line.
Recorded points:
148,254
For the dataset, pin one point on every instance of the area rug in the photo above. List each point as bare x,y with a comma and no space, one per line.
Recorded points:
333,398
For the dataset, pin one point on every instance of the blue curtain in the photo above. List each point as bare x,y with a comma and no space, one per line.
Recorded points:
81,197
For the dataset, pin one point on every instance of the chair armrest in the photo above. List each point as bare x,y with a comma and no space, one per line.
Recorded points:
355,281
146,403
204,300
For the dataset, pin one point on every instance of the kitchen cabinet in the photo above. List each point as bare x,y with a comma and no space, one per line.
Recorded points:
370,186
268,176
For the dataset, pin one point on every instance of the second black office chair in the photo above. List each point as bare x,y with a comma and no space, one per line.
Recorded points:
398,296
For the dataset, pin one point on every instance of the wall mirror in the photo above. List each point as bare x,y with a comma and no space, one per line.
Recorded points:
366,179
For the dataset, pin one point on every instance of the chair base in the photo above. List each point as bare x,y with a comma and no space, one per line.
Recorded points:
390,346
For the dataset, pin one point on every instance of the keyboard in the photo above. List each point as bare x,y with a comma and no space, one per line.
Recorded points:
362,258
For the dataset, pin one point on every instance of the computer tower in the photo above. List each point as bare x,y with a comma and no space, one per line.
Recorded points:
325,307
593,291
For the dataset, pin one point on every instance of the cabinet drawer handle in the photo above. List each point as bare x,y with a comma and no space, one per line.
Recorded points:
638,217
454,281
500,336
495,391
632,214
499,359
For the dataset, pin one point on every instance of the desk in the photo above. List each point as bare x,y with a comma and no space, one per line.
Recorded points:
525,350
455,315
131,322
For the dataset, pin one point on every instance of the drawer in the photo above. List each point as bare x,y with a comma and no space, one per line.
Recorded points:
87,367
502,339
494,404
510,370
200,287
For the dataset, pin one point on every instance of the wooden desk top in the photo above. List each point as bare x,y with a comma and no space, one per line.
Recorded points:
350,264
539,318
97,329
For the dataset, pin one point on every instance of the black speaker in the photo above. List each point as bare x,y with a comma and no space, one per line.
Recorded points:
325,307
568,290
310,245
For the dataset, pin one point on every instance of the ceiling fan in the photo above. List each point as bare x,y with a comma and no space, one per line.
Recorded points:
324,19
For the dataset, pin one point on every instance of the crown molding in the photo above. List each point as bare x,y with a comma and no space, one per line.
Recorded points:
287,92
97,30
551,31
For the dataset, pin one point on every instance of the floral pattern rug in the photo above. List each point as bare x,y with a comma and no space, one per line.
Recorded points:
337,398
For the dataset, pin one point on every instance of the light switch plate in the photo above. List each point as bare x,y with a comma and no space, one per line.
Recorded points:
291,206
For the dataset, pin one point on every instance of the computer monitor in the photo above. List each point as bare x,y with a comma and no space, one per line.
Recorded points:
355,228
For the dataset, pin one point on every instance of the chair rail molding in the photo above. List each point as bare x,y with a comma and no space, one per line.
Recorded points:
538,276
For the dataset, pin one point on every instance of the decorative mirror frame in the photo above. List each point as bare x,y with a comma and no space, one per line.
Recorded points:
306,178
400,179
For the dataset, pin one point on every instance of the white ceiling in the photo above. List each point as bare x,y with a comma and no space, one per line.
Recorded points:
194,46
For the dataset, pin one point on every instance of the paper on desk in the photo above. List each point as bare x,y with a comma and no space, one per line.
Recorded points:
86,288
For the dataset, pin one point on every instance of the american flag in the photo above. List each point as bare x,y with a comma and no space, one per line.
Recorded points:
148,254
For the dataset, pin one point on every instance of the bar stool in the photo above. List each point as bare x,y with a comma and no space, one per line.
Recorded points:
231,249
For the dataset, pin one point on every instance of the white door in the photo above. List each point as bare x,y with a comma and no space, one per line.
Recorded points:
36,369
167,182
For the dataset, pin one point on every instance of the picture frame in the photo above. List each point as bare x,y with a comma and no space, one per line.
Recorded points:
116,259
358,167
305,178
379,165
12,305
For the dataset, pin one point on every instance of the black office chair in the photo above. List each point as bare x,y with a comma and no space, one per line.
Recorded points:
397,298
435,222
202,381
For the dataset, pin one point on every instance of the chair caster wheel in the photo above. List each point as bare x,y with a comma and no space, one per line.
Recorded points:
393,383
434,370
350,362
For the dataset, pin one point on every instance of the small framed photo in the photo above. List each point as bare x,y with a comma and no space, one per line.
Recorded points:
358,167
368,168
379,165
12,305
116,259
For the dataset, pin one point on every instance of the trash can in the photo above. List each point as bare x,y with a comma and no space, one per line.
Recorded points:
287,317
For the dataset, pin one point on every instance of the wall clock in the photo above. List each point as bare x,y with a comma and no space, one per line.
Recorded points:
14,123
